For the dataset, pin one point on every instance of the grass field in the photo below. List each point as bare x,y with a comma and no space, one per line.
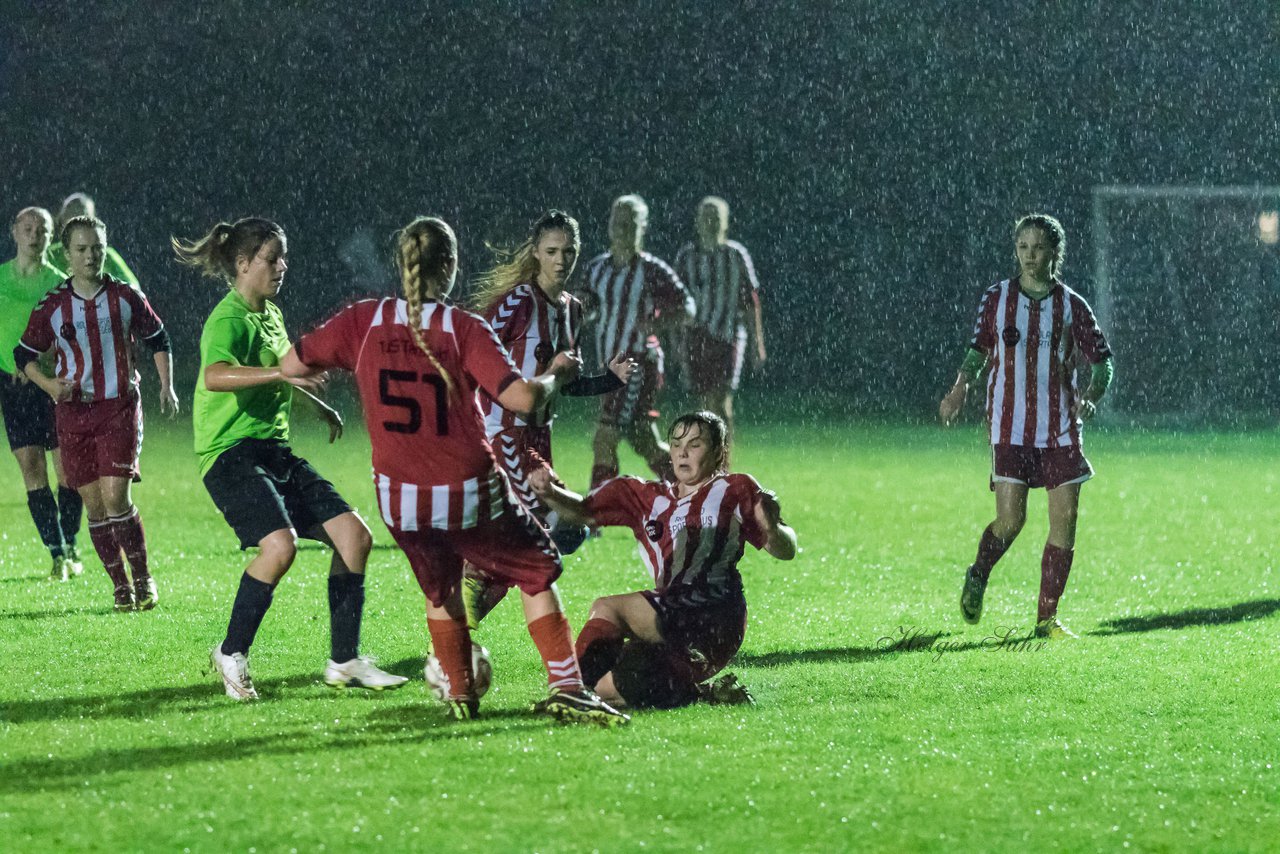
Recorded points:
1156,731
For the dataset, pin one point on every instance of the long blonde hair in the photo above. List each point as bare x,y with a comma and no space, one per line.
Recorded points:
215,254
519,265
423,248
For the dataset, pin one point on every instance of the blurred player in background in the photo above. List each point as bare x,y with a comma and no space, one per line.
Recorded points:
1034,332
92,321
660,648
269,495
418,364
79,204
629,295
525,302
719,273
28,411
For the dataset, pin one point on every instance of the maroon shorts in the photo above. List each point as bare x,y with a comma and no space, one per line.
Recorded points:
715,366
635,403
513,549
1037,467
99,439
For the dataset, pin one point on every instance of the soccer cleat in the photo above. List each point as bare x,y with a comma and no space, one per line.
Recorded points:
725,690
1051,629
73,561
462,708
360,673
580,706
144,592
61,569
971,597
234,670
124,598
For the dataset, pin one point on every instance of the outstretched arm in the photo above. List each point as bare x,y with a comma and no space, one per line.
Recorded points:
570,505
781,542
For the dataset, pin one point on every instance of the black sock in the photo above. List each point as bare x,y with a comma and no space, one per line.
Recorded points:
346,608
70,512
252,601
44,512
598,659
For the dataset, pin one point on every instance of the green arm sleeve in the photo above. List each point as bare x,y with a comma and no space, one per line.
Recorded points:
1100,379
973,364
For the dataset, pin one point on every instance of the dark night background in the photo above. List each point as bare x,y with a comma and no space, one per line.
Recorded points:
874,154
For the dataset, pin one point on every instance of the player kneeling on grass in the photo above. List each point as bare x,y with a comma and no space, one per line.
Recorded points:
418,363
91,321
268,495
1034,331
660,648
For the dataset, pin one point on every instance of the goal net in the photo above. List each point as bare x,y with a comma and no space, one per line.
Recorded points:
1187,288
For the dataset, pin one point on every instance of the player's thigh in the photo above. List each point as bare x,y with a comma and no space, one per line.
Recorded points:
35,471
633,611
435,562
1011,502
115,494
1064,504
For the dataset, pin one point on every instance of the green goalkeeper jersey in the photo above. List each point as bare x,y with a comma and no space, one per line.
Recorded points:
20,294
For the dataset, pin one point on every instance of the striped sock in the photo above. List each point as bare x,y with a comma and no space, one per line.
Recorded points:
554,639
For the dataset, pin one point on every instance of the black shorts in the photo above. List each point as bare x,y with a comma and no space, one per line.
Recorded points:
262,486
697,643
28,414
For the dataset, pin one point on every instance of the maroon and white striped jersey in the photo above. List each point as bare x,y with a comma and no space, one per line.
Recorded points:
433,466
691,546
533,329
93,337
724,285
1035,347
627,301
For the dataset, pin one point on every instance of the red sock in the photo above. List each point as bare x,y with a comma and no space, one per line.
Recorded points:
1055,566
451,643
128,529
554,639
103,535
601,473
599,644
990,549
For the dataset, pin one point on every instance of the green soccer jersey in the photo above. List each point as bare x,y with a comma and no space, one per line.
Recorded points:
240,336
113,265
19,294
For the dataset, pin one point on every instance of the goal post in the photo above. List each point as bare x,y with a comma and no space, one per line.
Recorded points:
1187,288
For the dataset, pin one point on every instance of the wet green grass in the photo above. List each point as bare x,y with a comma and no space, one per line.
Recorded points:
1156,731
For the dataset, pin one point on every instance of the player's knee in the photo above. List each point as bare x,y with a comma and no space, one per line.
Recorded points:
356,534
278,549
1008,525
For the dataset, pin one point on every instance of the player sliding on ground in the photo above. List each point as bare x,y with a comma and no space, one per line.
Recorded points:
659,648
418,363
268,495
1034,331
92,321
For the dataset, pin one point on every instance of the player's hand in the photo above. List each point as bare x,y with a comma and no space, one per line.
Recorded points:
623,366
566,365
761,356
951,404
541,479
314,383
168,401
333,418
57,388
1084,409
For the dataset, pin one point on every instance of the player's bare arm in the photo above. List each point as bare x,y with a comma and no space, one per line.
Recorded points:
570,505
164,370
974,363
781,542
532,394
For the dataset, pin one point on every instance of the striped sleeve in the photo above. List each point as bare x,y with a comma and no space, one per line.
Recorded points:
483,356
984,328
1089,340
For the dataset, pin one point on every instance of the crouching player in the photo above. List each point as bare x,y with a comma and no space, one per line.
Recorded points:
92,321
660,648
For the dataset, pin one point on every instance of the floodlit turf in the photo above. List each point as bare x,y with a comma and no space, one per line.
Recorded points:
883,721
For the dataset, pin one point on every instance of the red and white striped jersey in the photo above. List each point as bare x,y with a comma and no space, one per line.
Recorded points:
626,301
533,329
433,466
724,285
93,337
691,546
1035,347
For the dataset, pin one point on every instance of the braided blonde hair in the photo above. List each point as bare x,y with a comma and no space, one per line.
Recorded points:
423,248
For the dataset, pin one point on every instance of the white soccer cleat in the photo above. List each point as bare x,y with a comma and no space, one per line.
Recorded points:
481,674
360,673
234,670
61,569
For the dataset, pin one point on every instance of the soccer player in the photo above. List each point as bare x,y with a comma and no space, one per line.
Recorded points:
28,411
660,648
268,495
719,273
1034,332
631,295
80,204
418,363
92,320
525,301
